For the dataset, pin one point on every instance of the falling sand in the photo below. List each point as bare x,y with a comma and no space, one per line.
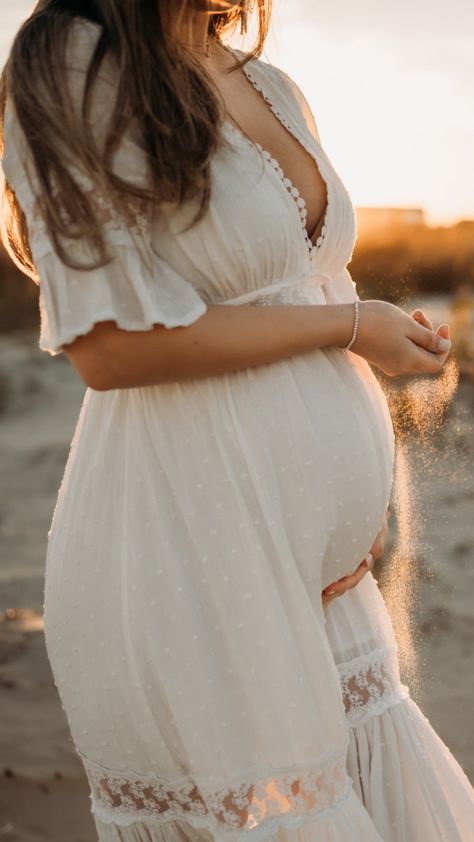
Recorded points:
419,409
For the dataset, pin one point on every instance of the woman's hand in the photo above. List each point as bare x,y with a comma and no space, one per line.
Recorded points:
348,582
398,343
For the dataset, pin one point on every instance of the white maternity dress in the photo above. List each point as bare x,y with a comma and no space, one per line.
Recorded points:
197,523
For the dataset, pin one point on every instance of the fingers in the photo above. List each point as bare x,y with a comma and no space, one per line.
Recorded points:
430,344
378,546
427,339
427,362
422,319
328,598
368,561
353,579
348,582
429,349
444,331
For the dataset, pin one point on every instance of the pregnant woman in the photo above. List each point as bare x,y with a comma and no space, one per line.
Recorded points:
232,459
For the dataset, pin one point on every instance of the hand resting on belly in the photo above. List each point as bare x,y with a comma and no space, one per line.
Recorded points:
348,582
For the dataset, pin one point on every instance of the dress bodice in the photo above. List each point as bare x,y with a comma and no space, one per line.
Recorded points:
258,238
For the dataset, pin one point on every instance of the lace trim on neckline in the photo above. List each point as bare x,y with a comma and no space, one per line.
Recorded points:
300,202
258,803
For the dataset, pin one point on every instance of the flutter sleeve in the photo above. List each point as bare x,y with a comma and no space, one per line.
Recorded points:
137,288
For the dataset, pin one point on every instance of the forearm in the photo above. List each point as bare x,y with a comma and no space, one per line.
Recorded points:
225,339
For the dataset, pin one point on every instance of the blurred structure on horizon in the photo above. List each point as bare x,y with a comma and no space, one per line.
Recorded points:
371,219
398,255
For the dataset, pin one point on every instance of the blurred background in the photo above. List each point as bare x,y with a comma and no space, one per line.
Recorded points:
391,87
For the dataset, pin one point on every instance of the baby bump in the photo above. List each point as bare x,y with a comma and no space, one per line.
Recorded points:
314,441
285,463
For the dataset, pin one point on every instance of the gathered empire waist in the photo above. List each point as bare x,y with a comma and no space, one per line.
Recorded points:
309,279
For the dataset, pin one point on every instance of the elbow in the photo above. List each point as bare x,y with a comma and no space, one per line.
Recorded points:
105,360
95,377
98,384
90,359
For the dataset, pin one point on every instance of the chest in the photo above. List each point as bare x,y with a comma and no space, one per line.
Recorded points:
250,114
255,232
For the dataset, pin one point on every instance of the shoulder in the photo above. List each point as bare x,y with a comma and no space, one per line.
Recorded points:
82,37
67,46
47,37
282,92
80,42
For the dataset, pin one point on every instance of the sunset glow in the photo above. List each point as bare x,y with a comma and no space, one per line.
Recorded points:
391,87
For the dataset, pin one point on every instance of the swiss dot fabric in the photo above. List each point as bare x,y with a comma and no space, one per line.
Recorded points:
208,693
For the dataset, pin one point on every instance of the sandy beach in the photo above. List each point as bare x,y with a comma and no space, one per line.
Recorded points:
43,793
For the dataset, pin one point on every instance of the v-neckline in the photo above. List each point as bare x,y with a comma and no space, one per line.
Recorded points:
293,191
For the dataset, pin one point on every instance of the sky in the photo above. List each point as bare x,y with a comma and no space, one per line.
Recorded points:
391,85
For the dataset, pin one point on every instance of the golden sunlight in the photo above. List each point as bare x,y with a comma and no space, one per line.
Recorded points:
392,99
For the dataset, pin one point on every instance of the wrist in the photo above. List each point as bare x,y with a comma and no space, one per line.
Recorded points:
342,324
329,325
355,327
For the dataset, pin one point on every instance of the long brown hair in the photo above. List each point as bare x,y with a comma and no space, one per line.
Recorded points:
159,84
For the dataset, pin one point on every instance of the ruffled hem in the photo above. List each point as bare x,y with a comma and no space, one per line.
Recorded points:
56,347
408,780
346,821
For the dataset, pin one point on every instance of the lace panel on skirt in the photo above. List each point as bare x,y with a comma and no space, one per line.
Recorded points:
259,802
371,684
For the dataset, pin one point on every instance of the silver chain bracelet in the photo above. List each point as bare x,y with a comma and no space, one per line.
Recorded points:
356,328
